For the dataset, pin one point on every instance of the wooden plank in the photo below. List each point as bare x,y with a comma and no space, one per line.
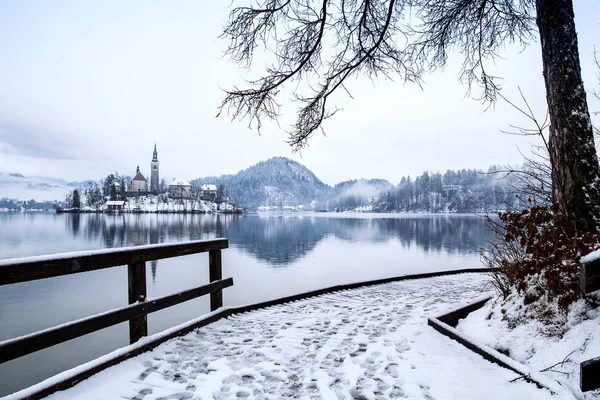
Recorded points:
136,278
18,347
590,276
589,378
215,272
40,267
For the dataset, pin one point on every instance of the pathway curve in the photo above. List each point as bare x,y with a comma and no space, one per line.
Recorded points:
368,343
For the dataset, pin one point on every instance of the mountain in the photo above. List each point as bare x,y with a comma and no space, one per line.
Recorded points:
41,188
278,181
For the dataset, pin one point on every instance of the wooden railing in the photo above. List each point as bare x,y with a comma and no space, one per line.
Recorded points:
34,268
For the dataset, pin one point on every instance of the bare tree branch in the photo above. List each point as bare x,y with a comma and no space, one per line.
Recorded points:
324,43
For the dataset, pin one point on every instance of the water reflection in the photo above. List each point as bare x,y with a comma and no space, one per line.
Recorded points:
271,257
280,240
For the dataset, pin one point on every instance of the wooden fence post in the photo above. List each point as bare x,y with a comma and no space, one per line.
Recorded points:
590,276
215,273
138,327
589,375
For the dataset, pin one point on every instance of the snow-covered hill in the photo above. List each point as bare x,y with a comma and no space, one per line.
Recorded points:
275,182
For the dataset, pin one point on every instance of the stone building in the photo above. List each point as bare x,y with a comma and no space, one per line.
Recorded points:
208,192
180,189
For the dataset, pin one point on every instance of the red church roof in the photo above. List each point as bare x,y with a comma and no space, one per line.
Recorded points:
139,177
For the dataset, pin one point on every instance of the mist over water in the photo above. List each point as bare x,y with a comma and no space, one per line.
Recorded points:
270,256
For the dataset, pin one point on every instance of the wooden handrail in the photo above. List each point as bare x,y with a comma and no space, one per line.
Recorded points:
40,267
34,268
27,344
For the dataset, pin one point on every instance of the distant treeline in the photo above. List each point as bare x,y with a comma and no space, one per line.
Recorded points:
465,190
17,205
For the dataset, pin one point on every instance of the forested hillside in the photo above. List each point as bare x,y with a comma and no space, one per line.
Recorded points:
465,190
279,182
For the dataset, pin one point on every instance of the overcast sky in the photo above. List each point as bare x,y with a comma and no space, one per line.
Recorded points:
86,88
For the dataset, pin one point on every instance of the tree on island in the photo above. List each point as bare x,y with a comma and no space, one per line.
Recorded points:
331,41
75,200
113,192
123,188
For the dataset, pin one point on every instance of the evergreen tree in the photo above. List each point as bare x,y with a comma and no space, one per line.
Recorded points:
75,200
107,184
113,192
123,192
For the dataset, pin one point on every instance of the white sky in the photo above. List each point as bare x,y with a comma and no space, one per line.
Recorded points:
87,87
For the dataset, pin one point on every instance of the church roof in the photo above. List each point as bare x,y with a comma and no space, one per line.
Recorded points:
139,177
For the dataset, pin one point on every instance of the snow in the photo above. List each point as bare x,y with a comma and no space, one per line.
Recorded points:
367,343
547,382
593,256
209,187
115,203
154,204
574,339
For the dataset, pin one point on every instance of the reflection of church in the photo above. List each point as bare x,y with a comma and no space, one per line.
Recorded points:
139,184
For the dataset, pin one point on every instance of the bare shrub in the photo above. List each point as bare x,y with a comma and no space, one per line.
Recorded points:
537,251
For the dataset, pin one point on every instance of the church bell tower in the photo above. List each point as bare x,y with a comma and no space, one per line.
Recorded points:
154,177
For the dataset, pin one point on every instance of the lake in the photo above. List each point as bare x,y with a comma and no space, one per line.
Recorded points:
270,256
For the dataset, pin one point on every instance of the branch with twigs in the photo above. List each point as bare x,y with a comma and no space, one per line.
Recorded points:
320,45
564,361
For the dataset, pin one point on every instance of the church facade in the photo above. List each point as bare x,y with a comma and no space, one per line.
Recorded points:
139,185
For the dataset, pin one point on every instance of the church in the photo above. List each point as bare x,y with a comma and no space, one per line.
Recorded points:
139,184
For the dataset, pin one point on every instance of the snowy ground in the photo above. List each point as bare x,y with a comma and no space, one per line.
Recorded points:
368,343
152,204
534,345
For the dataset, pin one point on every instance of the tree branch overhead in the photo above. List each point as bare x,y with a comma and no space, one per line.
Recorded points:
332,41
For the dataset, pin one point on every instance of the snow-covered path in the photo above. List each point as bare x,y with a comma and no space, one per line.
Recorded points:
368,343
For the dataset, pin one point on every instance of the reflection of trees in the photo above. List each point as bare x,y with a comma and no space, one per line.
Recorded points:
281,240
451,234
278,240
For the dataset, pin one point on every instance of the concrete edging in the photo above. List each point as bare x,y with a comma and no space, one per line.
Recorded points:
446,325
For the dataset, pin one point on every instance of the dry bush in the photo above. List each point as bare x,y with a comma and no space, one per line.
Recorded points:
536,252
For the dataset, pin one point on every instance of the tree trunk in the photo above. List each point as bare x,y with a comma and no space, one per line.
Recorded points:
575,169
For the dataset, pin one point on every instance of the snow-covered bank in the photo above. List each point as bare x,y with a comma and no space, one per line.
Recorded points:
368,343
554,349
158,204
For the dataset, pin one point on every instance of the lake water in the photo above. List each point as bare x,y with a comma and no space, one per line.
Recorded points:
270,256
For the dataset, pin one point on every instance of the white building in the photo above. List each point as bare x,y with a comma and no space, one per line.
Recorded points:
180,189
139,183
115,206
208,192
